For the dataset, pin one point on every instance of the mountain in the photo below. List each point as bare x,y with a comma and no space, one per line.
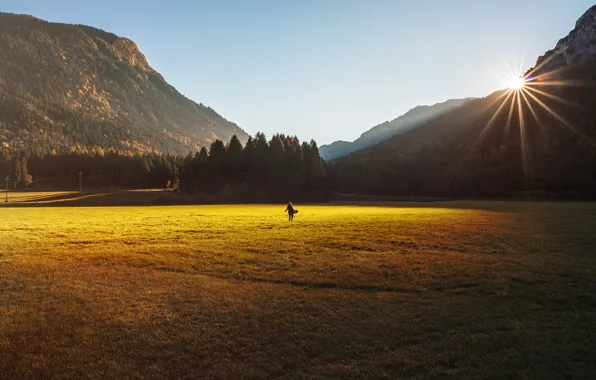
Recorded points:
411,119
577,46
541,138
336,149
76,88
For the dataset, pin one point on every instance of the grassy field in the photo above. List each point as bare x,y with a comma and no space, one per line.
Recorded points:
94,198
455,290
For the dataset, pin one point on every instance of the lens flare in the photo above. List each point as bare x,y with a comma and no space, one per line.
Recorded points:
525,95
517,83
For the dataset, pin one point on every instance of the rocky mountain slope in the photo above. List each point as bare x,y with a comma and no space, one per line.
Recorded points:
76,88
540,139
577,46
411,119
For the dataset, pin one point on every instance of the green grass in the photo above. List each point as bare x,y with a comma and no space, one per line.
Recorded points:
447,290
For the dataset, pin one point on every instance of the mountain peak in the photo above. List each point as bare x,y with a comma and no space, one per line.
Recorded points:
587,18
127,51
78,86
116,48
578,46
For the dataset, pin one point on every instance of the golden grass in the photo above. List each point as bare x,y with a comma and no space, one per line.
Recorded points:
24,197
139,197
453,290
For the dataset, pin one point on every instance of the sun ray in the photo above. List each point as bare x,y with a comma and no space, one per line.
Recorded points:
540,65
510,115
522,134
506,79
575,83
570,128
511,72
532,111
526,158
491,121
549,74
521,62
553,78
517,83
504,94
554,97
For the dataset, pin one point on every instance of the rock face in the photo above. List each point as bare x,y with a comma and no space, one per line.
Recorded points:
76,88
578,46
411,119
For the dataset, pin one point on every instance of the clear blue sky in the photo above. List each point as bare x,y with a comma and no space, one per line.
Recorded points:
325,69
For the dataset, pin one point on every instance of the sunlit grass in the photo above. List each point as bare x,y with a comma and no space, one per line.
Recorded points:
92,197
33,196
455,289
254,241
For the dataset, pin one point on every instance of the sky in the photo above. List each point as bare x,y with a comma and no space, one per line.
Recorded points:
325,69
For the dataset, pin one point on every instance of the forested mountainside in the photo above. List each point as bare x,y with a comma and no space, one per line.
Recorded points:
70,88
410,120
484,149
540,138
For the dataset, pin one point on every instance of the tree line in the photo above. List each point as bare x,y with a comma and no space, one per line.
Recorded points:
261,169
279,167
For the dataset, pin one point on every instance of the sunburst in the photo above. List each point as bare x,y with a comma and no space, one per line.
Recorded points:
525,95
517,83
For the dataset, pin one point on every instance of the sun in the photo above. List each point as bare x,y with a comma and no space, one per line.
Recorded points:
517,83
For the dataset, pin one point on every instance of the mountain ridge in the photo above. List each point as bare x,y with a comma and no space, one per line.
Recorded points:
537,140
578,45
407,121
67,87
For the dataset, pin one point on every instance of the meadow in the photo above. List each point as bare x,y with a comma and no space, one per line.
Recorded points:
454,290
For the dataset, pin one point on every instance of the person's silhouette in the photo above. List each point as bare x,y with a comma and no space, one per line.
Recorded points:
291,211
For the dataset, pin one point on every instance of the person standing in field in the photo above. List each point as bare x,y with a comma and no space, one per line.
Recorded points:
291,211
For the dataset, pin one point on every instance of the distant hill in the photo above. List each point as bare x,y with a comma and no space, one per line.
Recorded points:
483,149
72,87
411,119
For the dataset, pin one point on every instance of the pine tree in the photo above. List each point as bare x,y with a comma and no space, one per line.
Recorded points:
234,161
277,164
306,161
316,162
249,158
261,170
296,165
202,170
217,158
